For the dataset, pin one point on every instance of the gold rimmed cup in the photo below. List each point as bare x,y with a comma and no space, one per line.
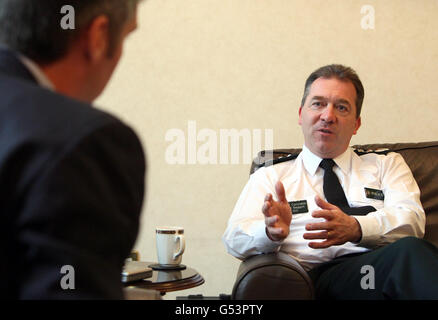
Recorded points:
170,245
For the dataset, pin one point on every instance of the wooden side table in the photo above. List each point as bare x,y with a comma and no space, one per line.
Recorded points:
169,280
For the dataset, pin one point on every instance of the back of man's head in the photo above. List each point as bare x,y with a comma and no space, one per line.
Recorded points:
33,28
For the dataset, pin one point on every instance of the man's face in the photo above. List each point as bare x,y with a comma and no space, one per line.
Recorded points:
328,117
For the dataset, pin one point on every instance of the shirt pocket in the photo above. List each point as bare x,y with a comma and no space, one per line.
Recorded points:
357,198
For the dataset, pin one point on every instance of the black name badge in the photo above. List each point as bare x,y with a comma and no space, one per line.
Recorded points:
298,206
374,194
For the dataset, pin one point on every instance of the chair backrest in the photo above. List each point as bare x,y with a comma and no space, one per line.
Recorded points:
421,157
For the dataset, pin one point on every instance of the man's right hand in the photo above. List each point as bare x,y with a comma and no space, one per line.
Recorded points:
278,214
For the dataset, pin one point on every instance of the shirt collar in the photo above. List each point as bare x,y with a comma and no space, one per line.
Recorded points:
312,161
36,71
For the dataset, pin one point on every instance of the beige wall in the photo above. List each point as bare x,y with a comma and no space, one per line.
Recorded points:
242,64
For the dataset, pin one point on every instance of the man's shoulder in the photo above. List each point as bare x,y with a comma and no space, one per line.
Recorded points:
269,161
40,128
42,124
382,154
29,109
381,160
266,159
281,159
373,152
274,167
25,95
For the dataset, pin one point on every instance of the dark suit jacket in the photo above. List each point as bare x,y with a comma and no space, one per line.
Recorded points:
71,192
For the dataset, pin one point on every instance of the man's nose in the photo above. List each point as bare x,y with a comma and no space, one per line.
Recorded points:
329,113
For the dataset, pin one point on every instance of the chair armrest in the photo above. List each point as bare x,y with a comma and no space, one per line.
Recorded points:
274,276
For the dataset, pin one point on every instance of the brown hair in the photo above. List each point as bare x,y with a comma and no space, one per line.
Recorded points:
33,27
342,73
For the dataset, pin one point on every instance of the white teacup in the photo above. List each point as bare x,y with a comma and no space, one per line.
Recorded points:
170,245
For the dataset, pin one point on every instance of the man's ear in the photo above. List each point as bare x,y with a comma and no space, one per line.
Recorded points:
299,115
97,44
358,123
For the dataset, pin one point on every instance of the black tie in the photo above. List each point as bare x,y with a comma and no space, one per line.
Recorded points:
335,194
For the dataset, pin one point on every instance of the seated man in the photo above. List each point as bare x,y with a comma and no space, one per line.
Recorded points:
336,211
71,176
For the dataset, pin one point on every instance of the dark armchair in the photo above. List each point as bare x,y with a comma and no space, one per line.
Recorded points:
278,276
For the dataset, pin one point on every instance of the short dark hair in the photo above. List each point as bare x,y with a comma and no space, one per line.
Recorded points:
342,73
32,27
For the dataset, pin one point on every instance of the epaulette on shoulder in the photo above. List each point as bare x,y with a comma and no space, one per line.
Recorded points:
361,152
280,159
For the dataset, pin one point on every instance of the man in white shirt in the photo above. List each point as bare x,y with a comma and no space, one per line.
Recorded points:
376,202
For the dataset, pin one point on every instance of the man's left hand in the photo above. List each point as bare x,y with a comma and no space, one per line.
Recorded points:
336,230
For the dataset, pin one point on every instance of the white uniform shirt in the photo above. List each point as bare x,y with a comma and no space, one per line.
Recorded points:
400,214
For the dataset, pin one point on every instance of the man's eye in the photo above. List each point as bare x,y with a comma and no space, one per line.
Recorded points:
317,104
342,108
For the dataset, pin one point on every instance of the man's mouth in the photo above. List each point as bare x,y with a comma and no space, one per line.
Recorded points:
325,131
